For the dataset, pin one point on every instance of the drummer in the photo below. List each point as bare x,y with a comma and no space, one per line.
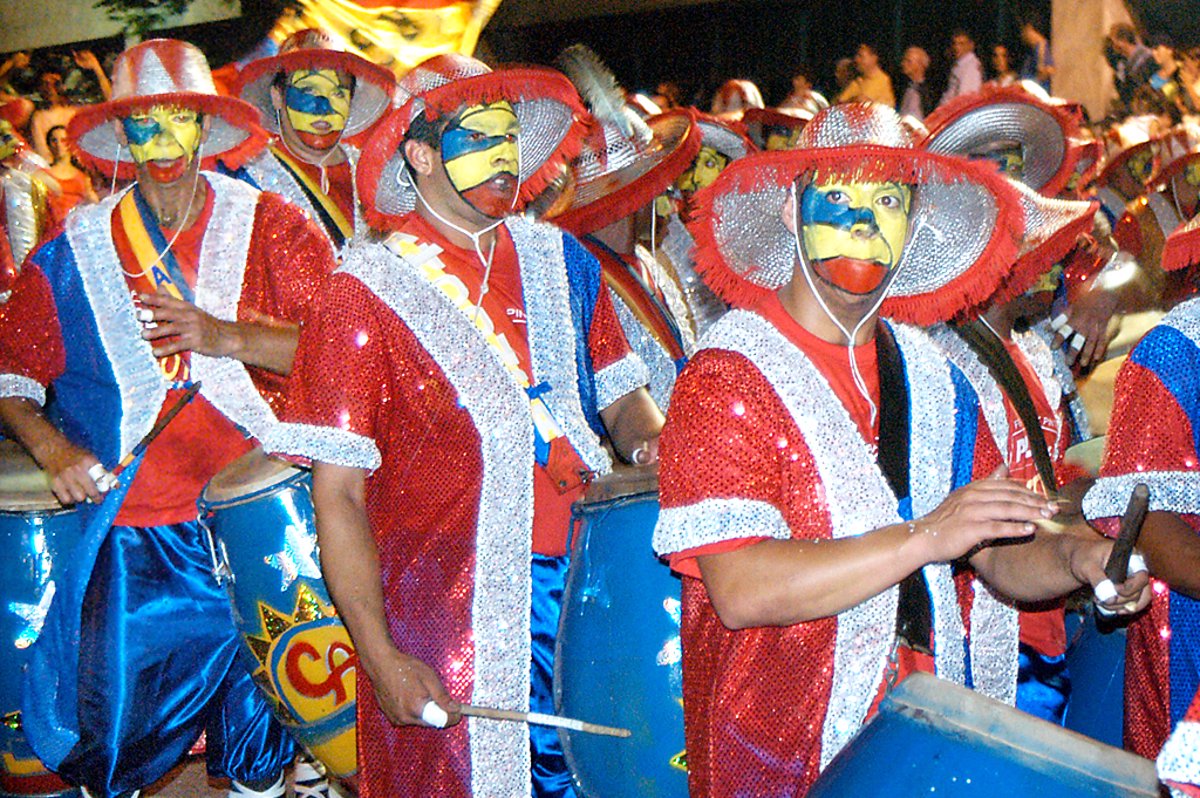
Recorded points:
146,664
451,401
818,569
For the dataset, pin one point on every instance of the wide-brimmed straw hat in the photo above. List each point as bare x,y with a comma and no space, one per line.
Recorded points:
964,226
616,173
545,102
757,121
171,73
1042,130
315,49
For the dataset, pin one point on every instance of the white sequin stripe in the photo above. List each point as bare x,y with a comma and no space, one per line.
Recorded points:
1038,353
1185,317
658,364
1062,372
715,521
18,386
931,467
991,400
1179,760
324,444
271,175
499,408
551,333
619,378
672,297
858,499
1170,491
139,379
995,634
223,253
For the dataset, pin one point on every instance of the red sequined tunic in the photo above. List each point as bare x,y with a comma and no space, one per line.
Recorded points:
393,377
760,445
1152,438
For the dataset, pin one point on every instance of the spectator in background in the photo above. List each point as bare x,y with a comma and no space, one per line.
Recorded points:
844,73
1189,80
75,185
1038,63
57,105
917,100
734,97
872,83
804,96
966,76
1132,61
1163,80
1002,72
668,95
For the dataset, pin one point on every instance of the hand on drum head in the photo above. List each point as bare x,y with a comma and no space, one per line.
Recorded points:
404,685
75,474
987,509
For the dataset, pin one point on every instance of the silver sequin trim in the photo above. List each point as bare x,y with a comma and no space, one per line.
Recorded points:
1041,358
657,362
138,377
1185,317
22,218
548,315
715,521
704,306
271,176
1179,760
1170,491
619,378
991,400
324,444
18,386
1080,419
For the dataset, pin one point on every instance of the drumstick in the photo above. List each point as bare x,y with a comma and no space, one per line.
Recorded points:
1117,566
157,429
542,719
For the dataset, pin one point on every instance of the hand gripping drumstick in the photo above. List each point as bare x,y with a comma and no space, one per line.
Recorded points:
436,716
1116,569
107,480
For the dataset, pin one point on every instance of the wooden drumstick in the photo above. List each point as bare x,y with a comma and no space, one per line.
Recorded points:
157,429
435,716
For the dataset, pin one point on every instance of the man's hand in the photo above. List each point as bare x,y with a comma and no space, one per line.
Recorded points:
1087,559
188,327
987,509
1086,329
75,473
404,684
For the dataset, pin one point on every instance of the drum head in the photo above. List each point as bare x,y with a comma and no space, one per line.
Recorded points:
623,481
253,472
1087,455
23,486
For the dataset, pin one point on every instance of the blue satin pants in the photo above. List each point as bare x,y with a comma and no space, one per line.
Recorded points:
157,666
551,778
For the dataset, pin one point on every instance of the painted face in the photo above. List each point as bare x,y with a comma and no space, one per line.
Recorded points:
1010,157
480,151
317,104
164,140
780,137
9,142
853,233
1191,173
1140,165
704,170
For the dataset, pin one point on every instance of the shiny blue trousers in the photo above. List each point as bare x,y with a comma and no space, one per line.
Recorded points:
157,665
551,778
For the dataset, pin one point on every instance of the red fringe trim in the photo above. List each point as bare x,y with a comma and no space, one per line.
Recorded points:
1181,250
623,201
1119,160
237,113
865,163
316,58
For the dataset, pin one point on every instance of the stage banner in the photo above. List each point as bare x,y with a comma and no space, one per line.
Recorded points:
398,34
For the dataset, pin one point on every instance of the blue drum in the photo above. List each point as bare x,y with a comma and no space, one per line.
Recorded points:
1096,662
37,534
933,738
259,517
618,659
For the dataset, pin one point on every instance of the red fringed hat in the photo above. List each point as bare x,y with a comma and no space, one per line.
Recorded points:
616,174
545,102
1089,155
172,73
963,231
758,122
722,136
1122,161
315,49
1042,129
1183,246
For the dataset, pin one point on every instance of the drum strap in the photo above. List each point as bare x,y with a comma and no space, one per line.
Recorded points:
992,353
914,611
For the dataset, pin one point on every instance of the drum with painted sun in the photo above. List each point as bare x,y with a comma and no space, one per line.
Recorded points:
37,535
618,659
259,517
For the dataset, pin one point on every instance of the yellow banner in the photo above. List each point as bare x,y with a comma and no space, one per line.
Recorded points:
397,37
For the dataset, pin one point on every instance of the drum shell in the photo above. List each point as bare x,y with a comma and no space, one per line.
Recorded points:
37,542
293,642
935,738
618,659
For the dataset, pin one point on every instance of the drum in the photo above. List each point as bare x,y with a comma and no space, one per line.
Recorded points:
933,738
618,659
259,518
38,534
1096,663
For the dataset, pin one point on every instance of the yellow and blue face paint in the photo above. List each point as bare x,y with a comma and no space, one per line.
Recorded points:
853,233
704,170
480,151
164,139
9,143
1010,157
317,104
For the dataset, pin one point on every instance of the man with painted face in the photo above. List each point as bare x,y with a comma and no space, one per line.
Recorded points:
312,97
450,390
186,277
817,463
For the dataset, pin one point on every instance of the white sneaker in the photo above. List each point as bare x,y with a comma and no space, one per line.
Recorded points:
309,780
86,794
276,790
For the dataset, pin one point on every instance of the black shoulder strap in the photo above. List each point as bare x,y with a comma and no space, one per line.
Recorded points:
914,613
993,354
